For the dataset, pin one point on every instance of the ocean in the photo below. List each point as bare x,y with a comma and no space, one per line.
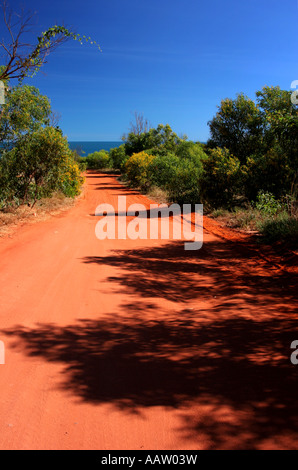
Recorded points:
84,148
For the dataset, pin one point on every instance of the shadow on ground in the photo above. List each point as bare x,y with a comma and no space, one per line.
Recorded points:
231,272
101,185
224,364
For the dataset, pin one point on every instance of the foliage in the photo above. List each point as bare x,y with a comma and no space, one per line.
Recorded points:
280,118
118,157
98,160
193,151
263,135
246,127
70,179
267,203
269,172
23,59
25,111
184,186
179,175
81,161
283,227
40,163
160,140
162,170
237,127
35,158
137,169
221,178
7,182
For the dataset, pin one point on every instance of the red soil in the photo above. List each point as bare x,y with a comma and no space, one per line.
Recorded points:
139,344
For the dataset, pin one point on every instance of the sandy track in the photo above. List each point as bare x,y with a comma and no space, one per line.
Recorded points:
123,344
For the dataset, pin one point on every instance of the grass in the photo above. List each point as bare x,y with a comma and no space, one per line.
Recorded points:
283,227
280,227
159,195
239,218
12,217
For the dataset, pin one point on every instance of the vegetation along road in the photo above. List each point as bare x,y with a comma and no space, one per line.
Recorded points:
139,344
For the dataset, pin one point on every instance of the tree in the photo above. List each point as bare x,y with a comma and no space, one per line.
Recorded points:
35,158
191,150
137,168
221,177
140,124
26,110
237,126
22,59
160,140
263,135
280,116
40,163
118,157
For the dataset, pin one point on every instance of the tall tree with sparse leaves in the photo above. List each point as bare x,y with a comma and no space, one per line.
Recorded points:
21,59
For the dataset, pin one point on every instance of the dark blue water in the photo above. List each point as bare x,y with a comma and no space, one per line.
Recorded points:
84,148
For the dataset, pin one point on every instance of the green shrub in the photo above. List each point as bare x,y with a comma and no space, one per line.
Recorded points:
220,212
280,228
7,181
98,160
161,139
82,163
179,177
39,164
162,170
191,150
269,172
118,157
70,179
137,169
221,177
184,186
267,203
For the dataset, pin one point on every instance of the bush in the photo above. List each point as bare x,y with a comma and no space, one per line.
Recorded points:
39,164
98,160
82,163
70,179
7,181
184,186
221,177
118,157
191,150
137,169
162,139
280,228
267,203
179,177
269,172
162,170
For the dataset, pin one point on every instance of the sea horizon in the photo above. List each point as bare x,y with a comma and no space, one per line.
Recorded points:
84,147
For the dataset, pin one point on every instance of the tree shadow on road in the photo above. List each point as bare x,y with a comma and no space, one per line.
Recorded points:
239,365
227,271
226,369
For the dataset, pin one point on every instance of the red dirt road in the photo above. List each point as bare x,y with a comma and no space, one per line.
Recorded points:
123,344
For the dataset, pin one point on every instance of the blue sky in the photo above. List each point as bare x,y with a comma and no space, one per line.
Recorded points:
172,60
